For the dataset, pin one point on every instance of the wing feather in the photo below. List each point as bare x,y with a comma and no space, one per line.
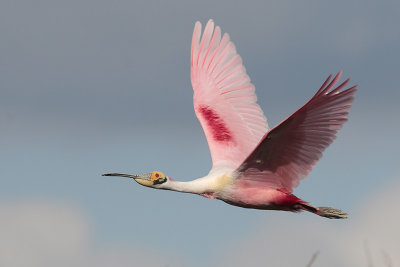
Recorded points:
288,152
224,98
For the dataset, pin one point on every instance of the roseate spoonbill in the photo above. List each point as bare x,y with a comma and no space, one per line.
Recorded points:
253,166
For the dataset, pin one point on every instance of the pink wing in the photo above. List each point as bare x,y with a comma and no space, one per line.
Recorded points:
224,99
287,153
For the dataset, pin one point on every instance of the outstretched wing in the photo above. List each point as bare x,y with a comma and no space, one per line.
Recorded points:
224,98
287,153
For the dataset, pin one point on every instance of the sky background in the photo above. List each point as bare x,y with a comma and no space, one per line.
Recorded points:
88,87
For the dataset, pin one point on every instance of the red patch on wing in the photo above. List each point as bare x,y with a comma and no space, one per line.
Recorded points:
216,124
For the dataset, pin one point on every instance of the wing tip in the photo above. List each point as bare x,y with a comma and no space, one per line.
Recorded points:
326,88
198,26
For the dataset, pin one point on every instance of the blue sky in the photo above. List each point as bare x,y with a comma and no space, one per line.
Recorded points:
88,87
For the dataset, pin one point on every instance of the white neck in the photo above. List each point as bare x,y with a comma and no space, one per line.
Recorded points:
215,181
198,186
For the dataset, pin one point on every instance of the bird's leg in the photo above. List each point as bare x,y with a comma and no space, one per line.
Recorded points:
327,212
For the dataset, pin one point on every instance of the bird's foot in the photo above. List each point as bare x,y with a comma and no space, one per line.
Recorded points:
331,213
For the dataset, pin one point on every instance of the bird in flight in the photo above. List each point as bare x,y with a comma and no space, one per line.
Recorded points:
253,166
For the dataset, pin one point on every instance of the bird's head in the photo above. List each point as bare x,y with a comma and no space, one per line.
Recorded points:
154,179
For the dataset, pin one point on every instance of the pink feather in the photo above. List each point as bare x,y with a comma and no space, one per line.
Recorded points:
224,98
287,153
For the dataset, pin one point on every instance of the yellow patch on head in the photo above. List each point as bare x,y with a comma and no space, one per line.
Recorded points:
156,175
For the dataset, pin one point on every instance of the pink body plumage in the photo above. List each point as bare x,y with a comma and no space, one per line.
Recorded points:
248,194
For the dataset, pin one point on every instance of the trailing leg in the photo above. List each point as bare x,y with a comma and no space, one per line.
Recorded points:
327,212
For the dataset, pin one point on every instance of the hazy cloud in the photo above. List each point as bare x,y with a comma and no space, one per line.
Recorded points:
55,234
48,234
